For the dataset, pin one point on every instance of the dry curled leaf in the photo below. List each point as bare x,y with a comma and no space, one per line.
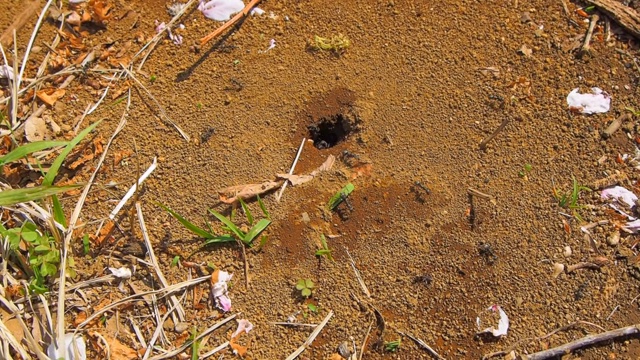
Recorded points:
231,194
101,10
50,97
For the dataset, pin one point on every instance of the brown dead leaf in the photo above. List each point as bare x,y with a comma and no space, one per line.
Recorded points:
50,97
301,179
105,233
101,10
120,351
526,51
361,170
214,277
490,70
237,348
336,356
119,155
80,318
231,194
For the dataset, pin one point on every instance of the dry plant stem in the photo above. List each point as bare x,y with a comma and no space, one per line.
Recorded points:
529,340
585,228
293,166
7,337
479,194
187,344
154,261
159,330
294,324
625,16
229,23
586,45
589,340
132,189
27,52
154,41
365,290
21,20
423,345
483,143
312,337
33,344
166,291
565,8
162,112
581,265
364,341
217,349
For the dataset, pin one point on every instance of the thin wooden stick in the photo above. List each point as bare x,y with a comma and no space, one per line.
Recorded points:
229,23
312,337
586,45
293,166
625,16
588,340
483,143
365,290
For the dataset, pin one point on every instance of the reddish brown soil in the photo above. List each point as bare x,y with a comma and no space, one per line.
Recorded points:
412,77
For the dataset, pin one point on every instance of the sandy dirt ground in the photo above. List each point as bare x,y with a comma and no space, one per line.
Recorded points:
403,109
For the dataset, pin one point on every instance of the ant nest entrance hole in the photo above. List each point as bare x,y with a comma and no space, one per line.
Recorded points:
332,118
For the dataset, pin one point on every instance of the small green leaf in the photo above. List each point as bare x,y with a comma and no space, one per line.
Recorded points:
220,239
186,223
58,212
312,308
256,230
86,243
340,195
309,284
263,208
175,261
42,248
57,163
231,226
246,210
48,269
16,196
306,292
300,284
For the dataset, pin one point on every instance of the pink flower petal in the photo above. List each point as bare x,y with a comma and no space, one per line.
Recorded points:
220,10
243,325
224,303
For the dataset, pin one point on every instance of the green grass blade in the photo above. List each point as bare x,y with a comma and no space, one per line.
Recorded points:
58,213
57,163
256,230
230,225
246,210
338,197
189,225
220,239
27,149
263,208
15,196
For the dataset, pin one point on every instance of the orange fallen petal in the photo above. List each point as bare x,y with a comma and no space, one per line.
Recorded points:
51,98
237,348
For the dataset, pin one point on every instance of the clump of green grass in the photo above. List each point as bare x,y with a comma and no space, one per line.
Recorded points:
570,200
305,286
337,44
233,231
392,346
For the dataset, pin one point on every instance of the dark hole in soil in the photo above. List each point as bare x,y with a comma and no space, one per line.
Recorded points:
329,131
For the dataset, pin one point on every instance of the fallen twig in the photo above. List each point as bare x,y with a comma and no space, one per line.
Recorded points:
293,166
588,340
132,189
480,194
615,125
625,16
284,323
540,338
312,337
483,143
586,45
230,23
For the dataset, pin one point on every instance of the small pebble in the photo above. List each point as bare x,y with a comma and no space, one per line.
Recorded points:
181,327
567,251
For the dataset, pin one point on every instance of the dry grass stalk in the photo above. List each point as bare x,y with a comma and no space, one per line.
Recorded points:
187,344
293,166
311,337
162,113
363,286
154,262
423,345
